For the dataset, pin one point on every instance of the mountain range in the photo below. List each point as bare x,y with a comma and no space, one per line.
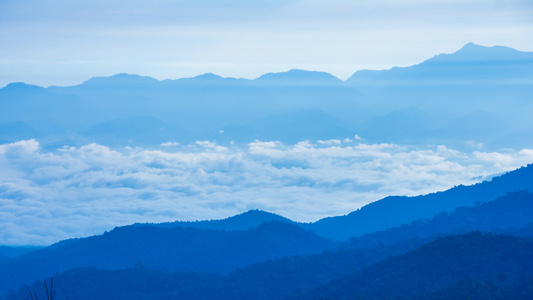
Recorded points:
466,242
477,94
261,255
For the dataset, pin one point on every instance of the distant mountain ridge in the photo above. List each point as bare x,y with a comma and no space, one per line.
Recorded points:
472,64
287,78
122,79
441,90
470,53
299,77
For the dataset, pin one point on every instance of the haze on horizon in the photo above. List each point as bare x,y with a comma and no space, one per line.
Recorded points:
67,42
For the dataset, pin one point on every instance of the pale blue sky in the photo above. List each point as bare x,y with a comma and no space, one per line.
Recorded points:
64,42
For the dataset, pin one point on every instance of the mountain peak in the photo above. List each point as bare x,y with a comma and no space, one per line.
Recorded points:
209,76
299,77
16,86
205,79
472,63
120,79
255,213
471,52
243,221
471,46
253,218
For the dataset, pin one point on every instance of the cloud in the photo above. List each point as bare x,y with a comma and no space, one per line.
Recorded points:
170,144
498,159
332,142
46,196
527,152
211,145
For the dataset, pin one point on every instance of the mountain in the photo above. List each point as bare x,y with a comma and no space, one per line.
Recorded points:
451,87
135,131
395,211
166,249
296,77
455,267
441,94
272,279
290,126
122,80
20,102
245,221
270,260
401,126
472,64
132,283
473,262
474,126
509,214
206,80
202,106
7,253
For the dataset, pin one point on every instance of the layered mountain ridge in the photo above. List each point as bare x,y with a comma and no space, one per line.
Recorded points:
439,91
398,247
240,242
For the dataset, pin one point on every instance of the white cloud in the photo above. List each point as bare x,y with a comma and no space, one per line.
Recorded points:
211,145
332,142
170,144
498,159
78,191
527,152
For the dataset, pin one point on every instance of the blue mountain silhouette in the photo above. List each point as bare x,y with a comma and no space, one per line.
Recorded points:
442,90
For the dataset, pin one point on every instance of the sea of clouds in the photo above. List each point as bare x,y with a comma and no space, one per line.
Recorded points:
47,196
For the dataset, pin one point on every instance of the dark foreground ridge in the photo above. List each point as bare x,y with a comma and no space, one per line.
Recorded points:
475,265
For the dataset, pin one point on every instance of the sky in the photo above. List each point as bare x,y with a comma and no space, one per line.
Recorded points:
47,196
65,42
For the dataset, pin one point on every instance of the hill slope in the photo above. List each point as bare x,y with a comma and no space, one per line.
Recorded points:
503,261
244,221
455,267
169,249
395,211
509,214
